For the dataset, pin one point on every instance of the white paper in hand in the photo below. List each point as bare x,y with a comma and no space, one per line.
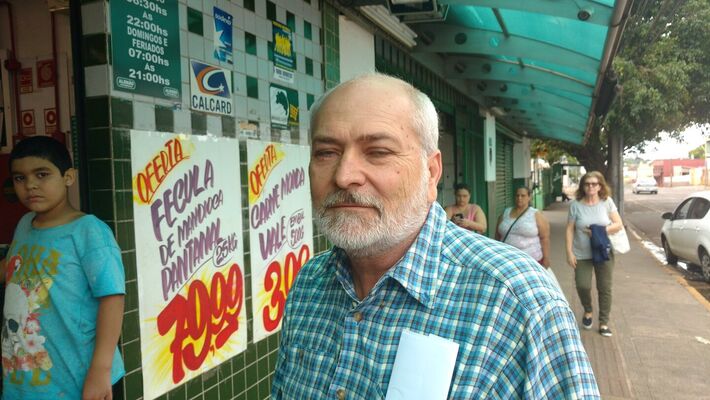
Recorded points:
422,368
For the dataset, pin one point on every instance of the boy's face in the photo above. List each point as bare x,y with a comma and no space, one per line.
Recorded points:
39,184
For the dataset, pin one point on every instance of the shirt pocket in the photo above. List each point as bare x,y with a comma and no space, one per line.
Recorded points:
307,373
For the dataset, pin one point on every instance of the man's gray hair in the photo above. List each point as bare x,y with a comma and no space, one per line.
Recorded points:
425,120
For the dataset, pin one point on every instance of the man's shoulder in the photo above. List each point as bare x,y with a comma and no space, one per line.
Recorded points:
484,261
317,267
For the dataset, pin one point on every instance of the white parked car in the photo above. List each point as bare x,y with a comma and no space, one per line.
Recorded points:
686,232
647,185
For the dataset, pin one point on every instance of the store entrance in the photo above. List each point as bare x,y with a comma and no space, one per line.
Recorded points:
36,88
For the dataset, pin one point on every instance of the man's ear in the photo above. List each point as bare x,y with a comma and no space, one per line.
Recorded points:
435,169
69,177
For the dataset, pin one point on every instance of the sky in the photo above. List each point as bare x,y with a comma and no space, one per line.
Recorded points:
668,148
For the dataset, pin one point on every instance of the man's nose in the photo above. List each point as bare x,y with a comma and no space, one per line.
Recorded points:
349,171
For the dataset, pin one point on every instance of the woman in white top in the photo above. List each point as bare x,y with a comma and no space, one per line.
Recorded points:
593,206
531,232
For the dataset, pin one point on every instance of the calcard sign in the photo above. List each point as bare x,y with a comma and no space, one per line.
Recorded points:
210,88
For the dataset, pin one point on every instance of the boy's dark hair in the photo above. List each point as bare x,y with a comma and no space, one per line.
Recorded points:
44,147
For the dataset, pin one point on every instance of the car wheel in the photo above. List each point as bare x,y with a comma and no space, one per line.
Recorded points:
670,257
705,264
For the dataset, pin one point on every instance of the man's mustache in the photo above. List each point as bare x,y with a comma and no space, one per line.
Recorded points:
344,197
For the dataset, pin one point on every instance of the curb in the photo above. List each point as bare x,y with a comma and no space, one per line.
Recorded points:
678,277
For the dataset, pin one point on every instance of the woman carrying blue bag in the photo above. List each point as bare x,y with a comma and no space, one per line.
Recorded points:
592,206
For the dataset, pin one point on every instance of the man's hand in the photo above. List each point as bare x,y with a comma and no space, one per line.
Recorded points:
97,385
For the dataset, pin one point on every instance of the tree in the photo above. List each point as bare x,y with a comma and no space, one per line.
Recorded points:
664,68
551,151
698,152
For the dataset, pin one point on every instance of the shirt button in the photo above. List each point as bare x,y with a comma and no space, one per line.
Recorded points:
340,393
300,354
357,316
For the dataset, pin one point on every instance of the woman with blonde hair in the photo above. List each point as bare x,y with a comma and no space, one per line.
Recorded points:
592,206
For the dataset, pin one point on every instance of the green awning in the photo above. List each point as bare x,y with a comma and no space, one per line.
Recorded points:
535,64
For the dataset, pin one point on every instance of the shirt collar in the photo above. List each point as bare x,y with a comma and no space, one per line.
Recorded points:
417,271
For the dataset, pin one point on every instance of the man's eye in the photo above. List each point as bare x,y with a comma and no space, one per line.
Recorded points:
42,175
18,178
324,154
379,152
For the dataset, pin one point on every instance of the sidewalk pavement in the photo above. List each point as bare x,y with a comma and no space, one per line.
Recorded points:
661,343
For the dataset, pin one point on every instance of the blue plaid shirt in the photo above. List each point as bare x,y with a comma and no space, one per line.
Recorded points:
516,333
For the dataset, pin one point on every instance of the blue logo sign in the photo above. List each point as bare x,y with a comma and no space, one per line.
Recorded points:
211,88
222,36
210,80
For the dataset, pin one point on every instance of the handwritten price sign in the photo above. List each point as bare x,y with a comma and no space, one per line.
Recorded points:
207,315
278,281
281,234
189,255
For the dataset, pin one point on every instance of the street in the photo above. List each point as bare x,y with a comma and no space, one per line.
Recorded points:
643,215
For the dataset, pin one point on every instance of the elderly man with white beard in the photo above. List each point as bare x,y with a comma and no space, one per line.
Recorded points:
399,269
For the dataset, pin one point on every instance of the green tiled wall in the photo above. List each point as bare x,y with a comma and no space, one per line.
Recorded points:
95,49
164,120
331,45
194,21
109,119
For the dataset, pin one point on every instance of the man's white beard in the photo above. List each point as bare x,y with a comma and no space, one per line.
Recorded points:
362,235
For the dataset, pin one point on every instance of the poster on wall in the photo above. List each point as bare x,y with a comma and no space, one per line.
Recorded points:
50,121
210,88
222,36
283,106
189,255
145,40
280,227
46,74
26,83
27,126
284,57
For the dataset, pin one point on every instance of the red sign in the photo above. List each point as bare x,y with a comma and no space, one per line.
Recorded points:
45,73
28,122
25,80
50,121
